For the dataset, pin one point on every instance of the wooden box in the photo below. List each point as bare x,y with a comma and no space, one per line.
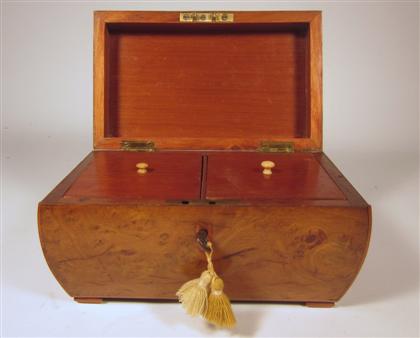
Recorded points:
203,99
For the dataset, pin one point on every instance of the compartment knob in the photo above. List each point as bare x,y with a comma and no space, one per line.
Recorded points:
142,167
267,165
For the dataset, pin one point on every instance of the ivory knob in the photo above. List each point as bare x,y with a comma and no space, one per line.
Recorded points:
267,165
142,167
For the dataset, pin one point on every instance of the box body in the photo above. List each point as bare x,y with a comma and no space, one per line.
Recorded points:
200,101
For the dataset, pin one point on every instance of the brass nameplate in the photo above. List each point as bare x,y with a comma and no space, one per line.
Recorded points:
276,147
138,145
206,17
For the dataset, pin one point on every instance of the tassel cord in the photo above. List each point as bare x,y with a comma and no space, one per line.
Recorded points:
209,255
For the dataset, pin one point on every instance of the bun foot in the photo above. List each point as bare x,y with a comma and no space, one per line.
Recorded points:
319,304
87,300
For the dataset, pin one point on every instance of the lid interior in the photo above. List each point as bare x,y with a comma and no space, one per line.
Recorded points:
229,85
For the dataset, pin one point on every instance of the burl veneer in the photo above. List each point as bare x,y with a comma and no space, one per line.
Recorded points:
203,104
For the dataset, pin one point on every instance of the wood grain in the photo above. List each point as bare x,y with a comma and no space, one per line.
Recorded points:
193,176
238,176
263,253
265,65
97,183
113,174
255,83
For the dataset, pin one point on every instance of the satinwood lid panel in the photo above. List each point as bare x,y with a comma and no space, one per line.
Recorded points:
113,175
207,86
239,176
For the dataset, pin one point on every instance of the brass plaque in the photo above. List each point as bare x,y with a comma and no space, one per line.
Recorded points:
276,147
206,17
138,145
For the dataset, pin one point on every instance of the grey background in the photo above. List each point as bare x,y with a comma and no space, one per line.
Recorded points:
371,124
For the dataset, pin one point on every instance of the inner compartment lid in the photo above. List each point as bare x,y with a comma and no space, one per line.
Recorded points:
208,85
239,176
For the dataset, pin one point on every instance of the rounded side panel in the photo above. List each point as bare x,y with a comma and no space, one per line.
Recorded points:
365,249
44,231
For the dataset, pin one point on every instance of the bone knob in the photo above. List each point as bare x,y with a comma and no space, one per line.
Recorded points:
267,165
142,167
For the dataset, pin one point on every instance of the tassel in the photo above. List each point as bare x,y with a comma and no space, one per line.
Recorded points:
219,311
193,294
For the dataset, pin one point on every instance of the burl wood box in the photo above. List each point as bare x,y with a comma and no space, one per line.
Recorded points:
203,99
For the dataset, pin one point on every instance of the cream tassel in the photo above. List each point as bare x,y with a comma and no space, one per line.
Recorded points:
195,298
193,294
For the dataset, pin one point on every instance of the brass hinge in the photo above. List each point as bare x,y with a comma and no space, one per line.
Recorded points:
276,147
206,17
138,145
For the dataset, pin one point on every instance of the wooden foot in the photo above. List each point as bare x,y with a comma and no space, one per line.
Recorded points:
320,304
87,300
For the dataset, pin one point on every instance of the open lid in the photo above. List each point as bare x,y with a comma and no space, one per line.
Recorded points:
208,81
